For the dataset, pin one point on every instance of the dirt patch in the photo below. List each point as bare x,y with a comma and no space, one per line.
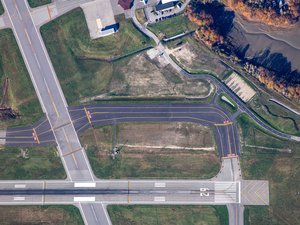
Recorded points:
182,135
195,56
152,78
35,215
184,54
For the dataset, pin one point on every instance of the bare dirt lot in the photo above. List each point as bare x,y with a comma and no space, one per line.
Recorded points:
195,56
166,135
139,76
153,150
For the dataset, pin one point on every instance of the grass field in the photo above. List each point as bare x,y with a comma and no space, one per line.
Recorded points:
87,74
146,152
161,215
37,215
274,163
21,94
231,107
36,3
277,116
172,26
1,9
140,15
42,163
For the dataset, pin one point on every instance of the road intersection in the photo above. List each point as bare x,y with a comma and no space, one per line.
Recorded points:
63,124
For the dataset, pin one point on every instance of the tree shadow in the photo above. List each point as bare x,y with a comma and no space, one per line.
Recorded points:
278,63
223,19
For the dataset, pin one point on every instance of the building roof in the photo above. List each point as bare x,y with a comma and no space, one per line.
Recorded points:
126,4
167,5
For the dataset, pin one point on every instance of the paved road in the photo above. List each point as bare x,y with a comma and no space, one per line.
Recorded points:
120,192
226,134
84,117
48,90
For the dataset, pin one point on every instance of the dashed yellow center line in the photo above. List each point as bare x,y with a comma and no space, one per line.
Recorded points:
229,144
49,12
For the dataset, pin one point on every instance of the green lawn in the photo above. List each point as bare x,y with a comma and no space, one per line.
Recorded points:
36,3
172,26
280,168
1,9
162,215
80,63
230,106
21,94
277,116
146,163
33,215
42,163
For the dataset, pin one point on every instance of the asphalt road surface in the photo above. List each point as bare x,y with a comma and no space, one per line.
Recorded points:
225,131
120,192
84,117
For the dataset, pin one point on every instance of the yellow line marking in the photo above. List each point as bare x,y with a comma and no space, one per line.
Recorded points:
156,107
259,195
49,12
230,157
69,153
244,188
65,134
51,98
229,144
35,134
223,124
87,115
128,196
75,160
43,196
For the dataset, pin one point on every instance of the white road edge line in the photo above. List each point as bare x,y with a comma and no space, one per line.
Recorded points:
106,214
82,214
240,193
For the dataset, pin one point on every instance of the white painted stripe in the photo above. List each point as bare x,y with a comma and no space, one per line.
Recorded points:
84,199
240,193
20,185
159,199
160,185
84,185
19,198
